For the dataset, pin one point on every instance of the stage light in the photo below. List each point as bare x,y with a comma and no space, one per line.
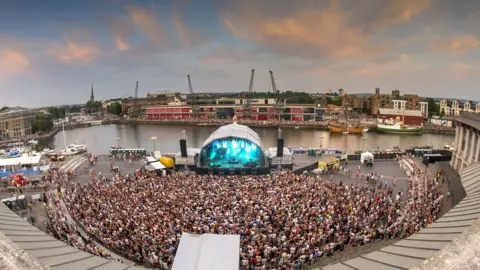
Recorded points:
224,144
243,144
254,147
248,149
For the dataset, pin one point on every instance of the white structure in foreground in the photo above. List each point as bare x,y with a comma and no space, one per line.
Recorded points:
467,140
207,251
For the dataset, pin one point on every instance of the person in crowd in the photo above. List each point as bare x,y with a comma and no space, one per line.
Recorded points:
285,221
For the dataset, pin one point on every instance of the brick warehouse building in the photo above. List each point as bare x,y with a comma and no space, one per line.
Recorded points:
412,118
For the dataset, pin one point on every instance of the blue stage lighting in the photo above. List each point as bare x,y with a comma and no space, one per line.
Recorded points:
234,144
224,144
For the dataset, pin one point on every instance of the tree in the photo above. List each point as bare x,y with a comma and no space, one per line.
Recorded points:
43,123
442,113
115,108
4,108
42,144
334,101
433,107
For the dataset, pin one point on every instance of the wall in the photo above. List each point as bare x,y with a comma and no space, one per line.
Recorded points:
409,120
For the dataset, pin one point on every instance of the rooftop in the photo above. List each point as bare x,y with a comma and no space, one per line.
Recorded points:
469,118
400,112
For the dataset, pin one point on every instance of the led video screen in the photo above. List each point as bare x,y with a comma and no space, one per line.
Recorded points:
232,153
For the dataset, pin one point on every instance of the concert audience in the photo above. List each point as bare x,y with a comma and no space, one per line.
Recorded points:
285,221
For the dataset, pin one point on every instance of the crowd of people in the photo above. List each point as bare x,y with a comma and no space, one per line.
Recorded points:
65,229
285,221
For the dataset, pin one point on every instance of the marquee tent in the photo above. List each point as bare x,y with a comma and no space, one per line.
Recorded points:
366,156
208,251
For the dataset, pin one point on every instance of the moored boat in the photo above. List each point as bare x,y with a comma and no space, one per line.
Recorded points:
342,129
399,128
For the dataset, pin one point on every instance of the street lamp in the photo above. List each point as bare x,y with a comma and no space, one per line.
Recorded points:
118,142
321,142
154,139
363,143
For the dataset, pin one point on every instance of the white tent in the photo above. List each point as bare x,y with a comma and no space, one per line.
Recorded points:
208,252
366,156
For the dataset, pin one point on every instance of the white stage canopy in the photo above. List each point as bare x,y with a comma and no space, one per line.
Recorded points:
208,252
366,156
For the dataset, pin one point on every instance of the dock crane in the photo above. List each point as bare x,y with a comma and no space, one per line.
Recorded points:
135,111
193,99
279,102
247,102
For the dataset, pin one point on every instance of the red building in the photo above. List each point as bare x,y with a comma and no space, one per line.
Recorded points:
411,118
225,111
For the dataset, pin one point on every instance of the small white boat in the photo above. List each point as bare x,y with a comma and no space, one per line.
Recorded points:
69,152
345,133
33,142
364,130
78,147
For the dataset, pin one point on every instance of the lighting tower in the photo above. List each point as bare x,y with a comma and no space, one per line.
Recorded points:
247,102
193,99
279,102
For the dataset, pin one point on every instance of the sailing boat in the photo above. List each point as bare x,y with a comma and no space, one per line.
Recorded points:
399,127
71,149
347,129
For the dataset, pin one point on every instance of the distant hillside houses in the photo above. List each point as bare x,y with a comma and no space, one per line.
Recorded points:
453,108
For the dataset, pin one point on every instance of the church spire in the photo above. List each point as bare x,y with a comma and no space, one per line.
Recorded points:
92,97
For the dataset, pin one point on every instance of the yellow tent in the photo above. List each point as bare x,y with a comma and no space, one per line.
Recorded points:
167,161
322,165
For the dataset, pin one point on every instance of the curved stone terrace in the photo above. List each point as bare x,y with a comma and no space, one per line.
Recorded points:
437,246
434,247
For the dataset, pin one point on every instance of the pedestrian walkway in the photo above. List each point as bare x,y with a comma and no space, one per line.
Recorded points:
414,250
73,163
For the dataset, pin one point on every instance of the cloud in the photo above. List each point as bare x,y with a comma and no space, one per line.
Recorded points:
120,31
317,32
13,63
458,44
182,32
74,53
399,11
462,69
403,63
148,24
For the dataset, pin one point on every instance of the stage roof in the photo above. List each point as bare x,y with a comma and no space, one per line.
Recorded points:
234,130
208,252
24,160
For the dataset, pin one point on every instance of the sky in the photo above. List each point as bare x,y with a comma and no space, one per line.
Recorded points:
51,52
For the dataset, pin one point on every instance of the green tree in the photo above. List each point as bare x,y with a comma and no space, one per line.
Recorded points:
42,144
43,123
4,108
115,108
334,101
433,107
442,113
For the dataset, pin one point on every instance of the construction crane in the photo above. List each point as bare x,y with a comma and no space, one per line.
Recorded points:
135,110
193,99
247,101
279,102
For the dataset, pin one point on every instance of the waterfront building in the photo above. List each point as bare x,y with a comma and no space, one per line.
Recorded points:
467,140
380,101
424,108
262,110
454,107
355,102
396,94
410,117
399,104
413,102
16,122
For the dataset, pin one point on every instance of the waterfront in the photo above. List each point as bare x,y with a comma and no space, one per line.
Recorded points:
101,138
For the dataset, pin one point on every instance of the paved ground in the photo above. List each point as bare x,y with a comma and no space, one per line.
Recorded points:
389,169
102,165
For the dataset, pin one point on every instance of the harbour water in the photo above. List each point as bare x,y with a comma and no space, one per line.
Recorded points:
101,138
